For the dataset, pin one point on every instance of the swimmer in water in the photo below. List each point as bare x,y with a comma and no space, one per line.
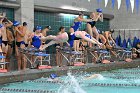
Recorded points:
94,76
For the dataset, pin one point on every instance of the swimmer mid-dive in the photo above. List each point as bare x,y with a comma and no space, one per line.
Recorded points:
64,37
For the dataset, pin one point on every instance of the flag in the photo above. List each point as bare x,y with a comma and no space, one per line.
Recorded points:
98,1
119,3
127,4
106,2
137,5
132,2
113,3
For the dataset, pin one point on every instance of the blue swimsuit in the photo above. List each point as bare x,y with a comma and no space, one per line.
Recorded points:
76,26
1,40
73,37
36,42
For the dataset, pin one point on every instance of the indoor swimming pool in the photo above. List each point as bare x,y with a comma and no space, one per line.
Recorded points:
116,81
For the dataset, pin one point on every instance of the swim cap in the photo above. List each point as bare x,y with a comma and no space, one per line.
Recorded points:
1,25
38,28
99,10
16,23
53,76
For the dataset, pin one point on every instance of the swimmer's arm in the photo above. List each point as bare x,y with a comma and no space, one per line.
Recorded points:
30,36
44,32
101,18
107,38
22,33
43,38
1,20
67,43
87,78
112,39
84,20
9,23
91,77
49,44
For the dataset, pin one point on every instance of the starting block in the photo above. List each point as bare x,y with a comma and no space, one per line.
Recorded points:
3,70
105,61
128,60
38,55
78,64
3,64
44,67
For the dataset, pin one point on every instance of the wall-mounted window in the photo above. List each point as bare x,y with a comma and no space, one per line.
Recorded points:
9,13
55,20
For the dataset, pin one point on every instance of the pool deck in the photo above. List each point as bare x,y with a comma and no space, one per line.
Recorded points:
31,74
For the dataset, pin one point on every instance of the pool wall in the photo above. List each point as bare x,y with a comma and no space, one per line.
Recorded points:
31,74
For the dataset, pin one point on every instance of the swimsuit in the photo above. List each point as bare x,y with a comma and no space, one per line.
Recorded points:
76,26
36,42
0,40
19,43
73,37
5,43
92,23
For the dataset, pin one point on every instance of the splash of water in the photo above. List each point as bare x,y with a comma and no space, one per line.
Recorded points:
100,77
71,85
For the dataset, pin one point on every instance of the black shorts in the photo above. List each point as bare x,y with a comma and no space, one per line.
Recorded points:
5,43
20,43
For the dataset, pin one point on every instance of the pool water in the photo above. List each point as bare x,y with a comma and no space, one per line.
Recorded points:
116,81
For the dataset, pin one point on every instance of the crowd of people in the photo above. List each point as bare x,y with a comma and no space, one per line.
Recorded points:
16,33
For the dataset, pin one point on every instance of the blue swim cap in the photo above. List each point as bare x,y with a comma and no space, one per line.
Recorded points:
16,23
38,28
1,25
53,76
99,10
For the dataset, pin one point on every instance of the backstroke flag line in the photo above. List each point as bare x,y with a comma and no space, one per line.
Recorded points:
129,3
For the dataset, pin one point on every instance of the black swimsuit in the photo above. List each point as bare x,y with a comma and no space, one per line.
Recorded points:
20,43
93,23
5,43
